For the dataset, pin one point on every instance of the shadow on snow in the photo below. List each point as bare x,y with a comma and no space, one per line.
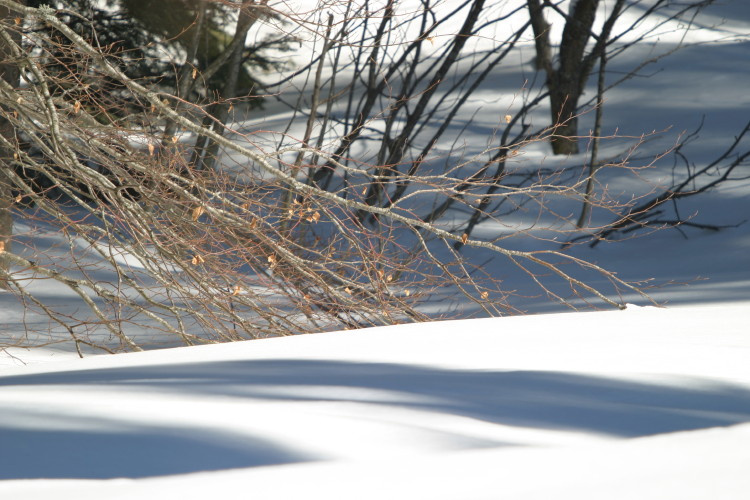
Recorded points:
539,399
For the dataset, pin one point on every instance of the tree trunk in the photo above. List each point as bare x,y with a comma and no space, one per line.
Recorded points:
566,80
563,104
204,155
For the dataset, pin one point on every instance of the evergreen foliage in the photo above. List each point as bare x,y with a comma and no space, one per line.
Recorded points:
147,40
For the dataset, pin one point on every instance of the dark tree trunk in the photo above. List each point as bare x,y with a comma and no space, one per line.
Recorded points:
565,80
205,150
563,104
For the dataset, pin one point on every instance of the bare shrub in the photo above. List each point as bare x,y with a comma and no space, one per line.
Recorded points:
181,224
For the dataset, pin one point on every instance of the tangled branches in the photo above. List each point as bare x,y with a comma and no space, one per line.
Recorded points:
172,226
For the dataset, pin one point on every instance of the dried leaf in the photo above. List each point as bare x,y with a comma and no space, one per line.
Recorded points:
2,246
151,150
195,73
17,20
237,290
407,292
197,260
197,212
174,139
464,238
508,118
272,259
348,290
484,295
76,107
253,223
314,217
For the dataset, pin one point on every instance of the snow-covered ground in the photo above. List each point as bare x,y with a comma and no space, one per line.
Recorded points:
641,403
635,404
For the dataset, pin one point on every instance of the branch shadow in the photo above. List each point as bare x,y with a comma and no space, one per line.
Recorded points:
541,399
98,448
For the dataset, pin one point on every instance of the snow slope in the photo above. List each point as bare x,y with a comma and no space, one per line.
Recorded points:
641,403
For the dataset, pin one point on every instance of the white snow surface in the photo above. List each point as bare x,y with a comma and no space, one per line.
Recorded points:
641,403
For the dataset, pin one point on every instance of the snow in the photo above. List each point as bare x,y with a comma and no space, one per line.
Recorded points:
640,403
646,403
